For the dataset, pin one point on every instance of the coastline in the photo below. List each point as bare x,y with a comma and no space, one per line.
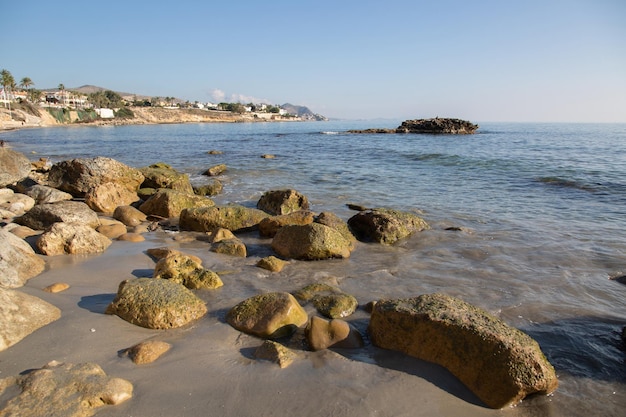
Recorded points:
19,119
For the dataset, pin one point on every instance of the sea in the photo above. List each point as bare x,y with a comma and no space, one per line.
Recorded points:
527,221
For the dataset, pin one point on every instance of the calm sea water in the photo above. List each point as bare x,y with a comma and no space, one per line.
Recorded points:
541,208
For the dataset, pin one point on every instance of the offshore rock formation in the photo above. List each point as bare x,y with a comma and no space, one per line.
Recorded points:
436,125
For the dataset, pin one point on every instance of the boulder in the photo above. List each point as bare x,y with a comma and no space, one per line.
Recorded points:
271,263
160,253
385,225
329,301
156,303
215,170
106,197
14,166
161,175
43,216
332,220
42,194
232,217
71,239
78,176
23,231
275,352
270,225
184,270
169,203
232,247
15,203
147,352
18,261
215,187
129,215
499,363
269,316
64,389
282,202
310,242
22,314
323,334
131,237
112,231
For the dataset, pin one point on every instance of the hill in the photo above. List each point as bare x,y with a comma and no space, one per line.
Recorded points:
303,112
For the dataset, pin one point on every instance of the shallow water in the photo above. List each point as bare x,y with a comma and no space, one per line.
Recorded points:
541,210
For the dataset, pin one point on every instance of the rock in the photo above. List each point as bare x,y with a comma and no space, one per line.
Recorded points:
329,301
72,239
385,225
22,314
56,287
232,217
220,234
437,125
160,253
269,316
184,270
215,187
233,247
41,165
310,242
214,152
23,231
131,237
275,352
112,231
67,390
147,352
270,225
129,215
18,261
215,170
169,203
268,156
156,303
272,263
43,216
500,364
106,197
14,166
332,220
15,203
161,175
146,193
282,202
323,334
42,194
79,176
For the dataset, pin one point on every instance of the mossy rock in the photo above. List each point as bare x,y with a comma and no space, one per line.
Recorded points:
279,202
269,316
233,217
169,203
329,301
162,175
185,270
385,226
310,242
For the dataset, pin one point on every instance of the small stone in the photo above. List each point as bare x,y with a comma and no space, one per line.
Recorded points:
268,156
215,152
112,231
272,263
275,352
147,352
160,253
322,334
56,287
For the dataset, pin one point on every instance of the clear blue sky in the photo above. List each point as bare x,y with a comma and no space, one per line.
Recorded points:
501,60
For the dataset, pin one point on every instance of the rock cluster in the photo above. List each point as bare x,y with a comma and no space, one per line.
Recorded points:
500,364
437,125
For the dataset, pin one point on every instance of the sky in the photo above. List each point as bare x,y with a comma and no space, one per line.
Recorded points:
483,60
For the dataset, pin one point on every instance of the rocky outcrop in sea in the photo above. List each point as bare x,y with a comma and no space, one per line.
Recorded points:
437,125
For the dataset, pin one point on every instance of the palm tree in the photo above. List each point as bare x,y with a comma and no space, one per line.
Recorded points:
26,82
8,82
62,89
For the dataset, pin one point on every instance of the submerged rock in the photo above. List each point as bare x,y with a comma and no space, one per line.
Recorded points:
156,303
385,226
271,315
64,389
499,363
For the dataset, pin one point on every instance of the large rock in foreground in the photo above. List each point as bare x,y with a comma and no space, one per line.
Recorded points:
271,315
499,363
169,203
78,176
71,239
21,315
385,225
18,261
14,166
156,303
42,216
233,217
60,389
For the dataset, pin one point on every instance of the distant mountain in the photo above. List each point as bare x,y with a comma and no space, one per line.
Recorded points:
303,112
